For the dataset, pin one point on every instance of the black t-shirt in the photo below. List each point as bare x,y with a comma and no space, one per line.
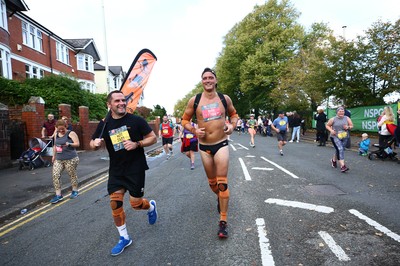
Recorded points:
123,162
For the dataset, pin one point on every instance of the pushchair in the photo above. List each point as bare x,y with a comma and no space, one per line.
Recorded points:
385,150
31,158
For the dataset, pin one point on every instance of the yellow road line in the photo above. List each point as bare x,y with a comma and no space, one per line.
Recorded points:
44,209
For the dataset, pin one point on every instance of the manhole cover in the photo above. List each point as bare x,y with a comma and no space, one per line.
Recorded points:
325,190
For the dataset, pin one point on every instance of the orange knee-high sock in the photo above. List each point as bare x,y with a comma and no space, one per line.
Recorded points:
223,197
213,185
118,213
141,204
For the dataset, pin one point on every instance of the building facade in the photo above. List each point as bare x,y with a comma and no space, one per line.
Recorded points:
30,50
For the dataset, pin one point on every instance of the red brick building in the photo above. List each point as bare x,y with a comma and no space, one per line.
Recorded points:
30,50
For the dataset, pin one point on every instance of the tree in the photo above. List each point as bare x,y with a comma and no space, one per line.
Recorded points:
256,50
157,111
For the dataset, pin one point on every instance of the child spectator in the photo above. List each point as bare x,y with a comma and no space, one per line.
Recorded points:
364,145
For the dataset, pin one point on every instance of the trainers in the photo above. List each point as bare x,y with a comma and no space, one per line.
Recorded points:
281,152
222,233
120,246
152,214
297,141
168,156
192,166
344,169
291,141
56,199
334,163
74,194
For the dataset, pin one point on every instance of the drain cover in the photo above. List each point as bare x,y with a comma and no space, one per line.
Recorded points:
325,190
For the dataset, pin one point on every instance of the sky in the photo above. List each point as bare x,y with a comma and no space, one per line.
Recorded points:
185,35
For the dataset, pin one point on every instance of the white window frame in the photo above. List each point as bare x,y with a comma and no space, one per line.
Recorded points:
33,71
85,62
32,36
3,15
62,53
5,62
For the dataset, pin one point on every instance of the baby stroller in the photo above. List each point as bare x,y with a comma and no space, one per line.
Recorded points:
386,151
32,158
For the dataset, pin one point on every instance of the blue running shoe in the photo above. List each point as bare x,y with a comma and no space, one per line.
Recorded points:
153,214
122,244
56,199
74,194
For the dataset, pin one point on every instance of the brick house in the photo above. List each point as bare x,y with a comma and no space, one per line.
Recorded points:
30,50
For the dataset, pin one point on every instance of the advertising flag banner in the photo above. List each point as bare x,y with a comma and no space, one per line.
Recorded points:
137,77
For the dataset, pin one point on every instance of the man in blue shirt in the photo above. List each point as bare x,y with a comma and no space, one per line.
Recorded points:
281,126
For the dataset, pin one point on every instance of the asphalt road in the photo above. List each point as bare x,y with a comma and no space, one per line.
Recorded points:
284,210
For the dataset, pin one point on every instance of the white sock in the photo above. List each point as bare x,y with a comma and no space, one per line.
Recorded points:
151,208
123,231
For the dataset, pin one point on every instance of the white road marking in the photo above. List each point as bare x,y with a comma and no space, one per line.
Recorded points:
245,171
262,168
233,147
266,254
375,224
301,205
250,156
280,167
244,147
336,249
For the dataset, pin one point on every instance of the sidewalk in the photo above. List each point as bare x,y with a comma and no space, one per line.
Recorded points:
25,189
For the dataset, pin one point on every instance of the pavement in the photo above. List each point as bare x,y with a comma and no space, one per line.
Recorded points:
25,189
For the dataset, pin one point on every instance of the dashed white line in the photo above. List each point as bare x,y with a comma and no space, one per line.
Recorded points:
262,168
245,171
336,249
266,254
280,167
301,205
375,224
244,147
233,147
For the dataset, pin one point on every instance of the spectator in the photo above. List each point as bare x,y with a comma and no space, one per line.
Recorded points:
49,127
364,145
320,117
69,125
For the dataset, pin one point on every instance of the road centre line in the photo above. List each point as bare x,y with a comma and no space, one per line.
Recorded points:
244,147
262,168
245,171
280,167
266,253
233,147
375,224
336,249
46,208
301,205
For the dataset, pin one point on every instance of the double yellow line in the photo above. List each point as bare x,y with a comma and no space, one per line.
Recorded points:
5,229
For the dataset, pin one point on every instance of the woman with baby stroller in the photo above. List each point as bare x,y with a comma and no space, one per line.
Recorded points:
386,136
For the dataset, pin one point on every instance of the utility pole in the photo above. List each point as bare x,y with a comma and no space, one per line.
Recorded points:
105,48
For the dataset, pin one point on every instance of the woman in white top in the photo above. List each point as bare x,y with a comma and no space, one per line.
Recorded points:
384,134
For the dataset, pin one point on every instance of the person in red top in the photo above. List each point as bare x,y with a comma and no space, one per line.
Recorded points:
49,127
167,132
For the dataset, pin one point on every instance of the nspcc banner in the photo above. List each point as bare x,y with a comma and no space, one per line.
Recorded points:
365,118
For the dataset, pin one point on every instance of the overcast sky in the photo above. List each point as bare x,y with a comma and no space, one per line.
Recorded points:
185,35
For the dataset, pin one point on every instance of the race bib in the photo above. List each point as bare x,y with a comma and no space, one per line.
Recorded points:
342,134
165,131
189,136
117,137
59,149
211,112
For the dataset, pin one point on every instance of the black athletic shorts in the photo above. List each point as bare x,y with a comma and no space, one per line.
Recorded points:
134,183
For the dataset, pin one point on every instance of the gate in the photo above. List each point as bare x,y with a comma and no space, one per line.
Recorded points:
17,138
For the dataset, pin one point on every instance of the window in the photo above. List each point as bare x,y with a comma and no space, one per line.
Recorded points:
32,36
3,15
33,72
85,62
62,53
5,63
